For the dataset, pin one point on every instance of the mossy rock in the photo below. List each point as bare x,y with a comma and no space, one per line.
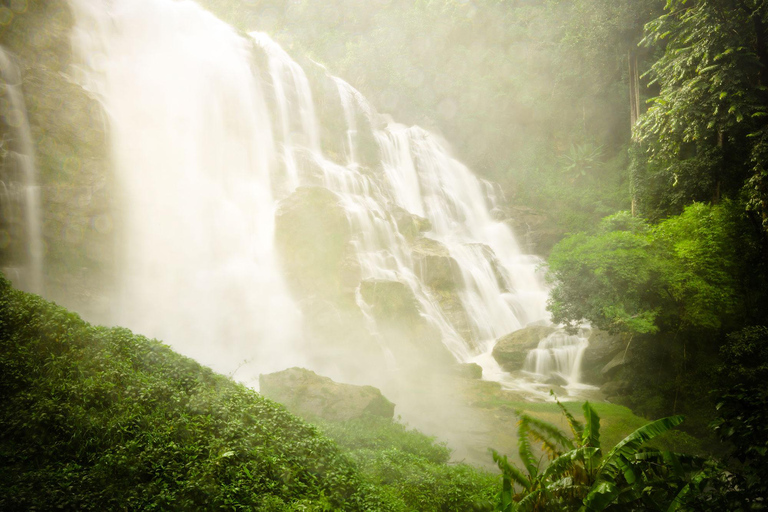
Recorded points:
413,340
390,301
434,265
511,350
469,371
310,395
603,346
457,316
312,235
410,225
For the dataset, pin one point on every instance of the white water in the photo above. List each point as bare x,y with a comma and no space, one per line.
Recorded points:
199,167
193,148
19,189
559,354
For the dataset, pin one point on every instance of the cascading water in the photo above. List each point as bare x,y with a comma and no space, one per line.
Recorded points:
200,171
193,148
559,354
21,242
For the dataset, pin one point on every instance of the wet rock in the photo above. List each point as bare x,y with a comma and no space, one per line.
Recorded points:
434,264
454,312
408,224
615,364
556,379
312,235
307,394
412,339
511,350
603,346
469,371
390,300
616,388
502,279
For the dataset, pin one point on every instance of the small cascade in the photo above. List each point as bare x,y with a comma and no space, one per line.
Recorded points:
558,354
21,241
349,99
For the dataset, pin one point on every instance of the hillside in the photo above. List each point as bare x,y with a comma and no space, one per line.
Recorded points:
97,418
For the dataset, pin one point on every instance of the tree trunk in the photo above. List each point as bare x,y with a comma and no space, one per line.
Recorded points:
634,112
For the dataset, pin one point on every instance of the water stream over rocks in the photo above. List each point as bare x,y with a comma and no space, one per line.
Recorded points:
221,140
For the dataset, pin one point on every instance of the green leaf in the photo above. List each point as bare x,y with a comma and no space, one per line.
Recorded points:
603,493
591,434
629,446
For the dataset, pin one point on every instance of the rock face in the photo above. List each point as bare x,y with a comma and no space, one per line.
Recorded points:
408,224
69,129
532,228
605,351
312,235
412,338
307,394
435,266
511,350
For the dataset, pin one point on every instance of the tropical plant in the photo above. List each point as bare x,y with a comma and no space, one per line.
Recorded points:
579,476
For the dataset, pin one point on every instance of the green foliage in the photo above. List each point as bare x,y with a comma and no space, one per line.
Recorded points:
685,274
579,477
704,133
410,467
742,420
99,419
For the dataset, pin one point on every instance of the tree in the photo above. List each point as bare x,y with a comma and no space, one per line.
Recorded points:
706,133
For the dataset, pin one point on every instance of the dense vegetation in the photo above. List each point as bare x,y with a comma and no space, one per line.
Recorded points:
93,418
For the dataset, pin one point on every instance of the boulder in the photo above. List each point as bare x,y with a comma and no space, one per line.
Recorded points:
434,264
469,371
390,301
603,346
615,364
409,225
511,350
313,236
616,388
309,395
454,312
413,340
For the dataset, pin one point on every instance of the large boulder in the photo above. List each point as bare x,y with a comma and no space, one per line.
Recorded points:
312,235
434,264
390,301
511,350
408,224
309,395
453,309
410,336
603,346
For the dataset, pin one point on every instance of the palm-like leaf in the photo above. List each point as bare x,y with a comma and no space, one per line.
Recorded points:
525,450
576,427
510,472
602,494
591,434
542,430
566,462
628,447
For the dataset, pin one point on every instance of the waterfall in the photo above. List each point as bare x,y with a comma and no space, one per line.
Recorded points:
194,149
21,241
205,145
558,354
